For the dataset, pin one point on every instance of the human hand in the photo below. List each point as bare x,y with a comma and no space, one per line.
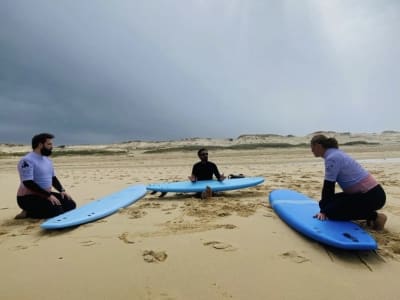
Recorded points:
65,195
54,200
221,177
192,178
321,216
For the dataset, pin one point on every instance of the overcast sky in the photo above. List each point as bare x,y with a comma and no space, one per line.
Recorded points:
100,71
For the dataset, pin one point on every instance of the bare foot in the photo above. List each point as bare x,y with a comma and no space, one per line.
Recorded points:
207,193
380,221
22,215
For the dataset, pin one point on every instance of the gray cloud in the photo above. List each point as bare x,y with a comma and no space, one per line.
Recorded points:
101,71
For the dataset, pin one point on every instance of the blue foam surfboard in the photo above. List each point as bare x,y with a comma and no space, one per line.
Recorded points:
297,210
96,209
199,186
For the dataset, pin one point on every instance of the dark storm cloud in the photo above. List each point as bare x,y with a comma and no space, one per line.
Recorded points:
51,82
101,71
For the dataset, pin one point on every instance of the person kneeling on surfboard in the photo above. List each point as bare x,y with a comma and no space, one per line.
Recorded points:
362,196
204,170
37,176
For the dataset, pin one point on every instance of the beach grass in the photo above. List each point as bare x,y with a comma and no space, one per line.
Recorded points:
187,148
252,146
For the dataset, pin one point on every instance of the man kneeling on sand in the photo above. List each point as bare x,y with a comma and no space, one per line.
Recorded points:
37,176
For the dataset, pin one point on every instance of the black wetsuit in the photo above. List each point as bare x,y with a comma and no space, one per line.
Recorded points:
205,170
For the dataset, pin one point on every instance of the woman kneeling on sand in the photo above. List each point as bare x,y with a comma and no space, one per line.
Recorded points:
362,196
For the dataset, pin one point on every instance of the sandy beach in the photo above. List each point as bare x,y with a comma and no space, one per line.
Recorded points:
232,246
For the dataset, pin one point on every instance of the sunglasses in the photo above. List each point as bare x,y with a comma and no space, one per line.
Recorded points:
204,154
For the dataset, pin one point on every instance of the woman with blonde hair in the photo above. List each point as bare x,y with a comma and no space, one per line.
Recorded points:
362,195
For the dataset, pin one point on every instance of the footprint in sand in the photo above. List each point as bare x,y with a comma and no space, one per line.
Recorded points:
222,213
220,245
21,247
151,256
135,213
292,255
167,209
88,243
270,215
395,248
126,239
389,245
150,205
227,226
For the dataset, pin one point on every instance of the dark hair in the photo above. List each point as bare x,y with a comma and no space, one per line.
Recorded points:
201,150
41,138
325,141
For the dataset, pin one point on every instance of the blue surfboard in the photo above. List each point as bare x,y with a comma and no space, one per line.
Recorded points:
200,186
96,209
297,210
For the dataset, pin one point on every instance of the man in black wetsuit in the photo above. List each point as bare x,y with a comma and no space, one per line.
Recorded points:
204,170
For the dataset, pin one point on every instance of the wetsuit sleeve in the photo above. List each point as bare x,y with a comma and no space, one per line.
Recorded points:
216,172
328,191
194,170
33,186
57,185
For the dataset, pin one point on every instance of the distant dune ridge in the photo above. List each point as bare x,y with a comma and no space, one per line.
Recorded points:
388,137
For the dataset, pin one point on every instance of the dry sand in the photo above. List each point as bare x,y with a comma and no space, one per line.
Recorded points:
232,246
